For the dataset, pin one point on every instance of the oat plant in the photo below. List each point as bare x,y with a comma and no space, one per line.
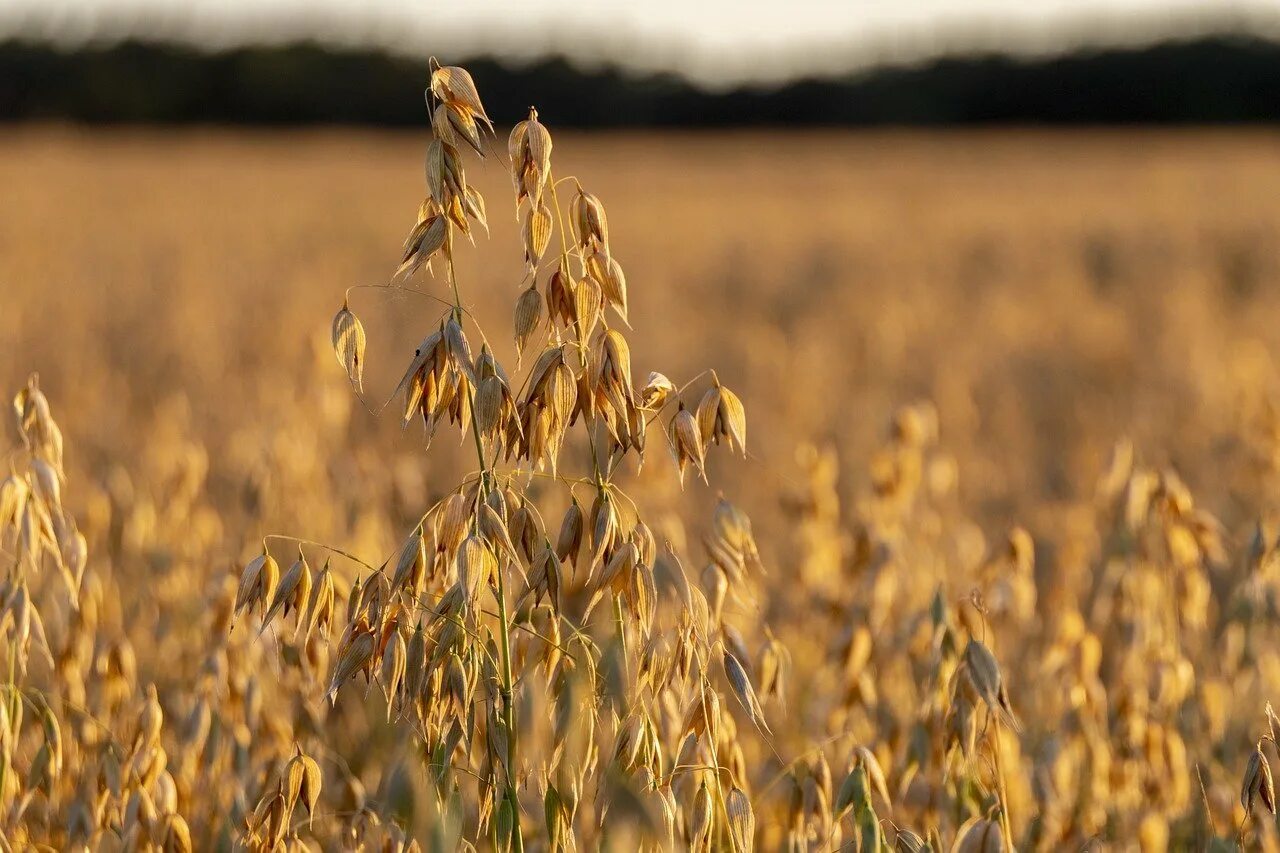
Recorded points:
564,681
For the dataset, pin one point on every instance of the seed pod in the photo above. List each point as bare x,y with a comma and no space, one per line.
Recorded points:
473,205
854,792
503,825
569,542
476,566
1258,783
452,121
979,835
553,812
292,592
454,86
907,841
617,572
742,821
608,273
657,389
320,605
353,657
865,758
537,234
488,407
984,674
604,527
411,565
700,819
589,220
302,781
175,835
458,348
743,690
722,416
427,237
703,715
349,344
392,671
528,316
686,444
451,522
870,835
587,304
646,546
257,582
444,174
494,530
537,165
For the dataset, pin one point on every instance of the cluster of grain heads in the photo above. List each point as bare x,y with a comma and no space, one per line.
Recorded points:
168,745
451,202
272,825
37,535
82,764
349,344
479,629
541,655
1033,714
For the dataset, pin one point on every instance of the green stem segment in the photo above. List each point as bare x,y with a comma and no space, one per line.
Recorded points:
508,719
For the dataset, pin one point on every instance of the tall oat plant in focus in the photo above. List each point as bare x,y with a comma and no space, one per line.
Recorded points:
566,685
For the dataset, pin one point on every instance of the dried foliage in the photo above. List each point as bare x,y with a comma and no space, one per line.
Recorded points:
539,654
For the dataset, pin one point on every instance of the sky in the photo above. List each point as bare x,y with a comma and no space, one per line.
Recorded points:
715,41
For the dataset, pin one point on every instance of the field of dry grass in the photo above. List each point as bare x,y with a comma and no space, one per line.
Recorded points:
1036,370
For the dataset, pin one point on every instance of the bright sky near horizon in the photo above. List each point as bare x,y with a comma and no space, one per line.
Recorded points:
711,39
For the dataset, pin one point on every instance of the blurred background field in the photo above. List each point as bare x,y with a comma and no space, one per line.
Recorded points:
1049,292
1000,302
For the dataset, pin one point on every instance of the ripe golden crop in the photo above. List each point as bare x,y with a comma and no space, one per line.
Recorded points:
488,558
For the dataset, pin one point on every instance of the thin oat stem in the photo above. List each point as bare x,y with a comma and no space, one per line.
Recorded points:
1204,799
283,537
402,289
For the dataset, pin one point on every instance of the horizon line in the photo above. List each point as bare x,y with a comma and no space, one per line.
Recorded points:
840,56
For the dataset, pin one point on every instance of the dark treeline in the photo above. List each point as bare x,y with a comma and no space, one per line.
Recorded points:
1213,79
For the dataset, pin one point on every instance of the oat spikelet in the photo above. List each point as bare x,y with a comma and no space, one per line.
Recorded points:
537,234
528,317
1258,783
700,819
744,692
686,443
353,657
722,416
984,673
979,835
656,391
257,582
607,272
742,821
348,345
454,86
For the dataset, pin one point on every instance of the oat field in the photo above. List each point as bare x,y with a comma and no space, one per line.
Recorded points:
998,567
